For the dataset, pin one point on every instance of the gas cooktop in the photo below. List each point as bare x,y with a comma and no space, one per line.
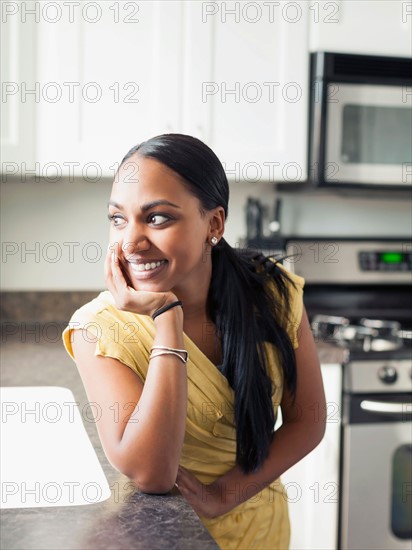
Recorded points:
364,338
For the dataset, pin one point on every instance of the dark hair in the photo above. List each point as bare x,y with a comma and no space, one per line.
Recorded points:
243,324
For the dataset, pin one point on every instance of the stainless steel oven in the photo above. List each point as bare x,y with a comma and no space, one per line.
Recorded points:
358,297
360,120
376,490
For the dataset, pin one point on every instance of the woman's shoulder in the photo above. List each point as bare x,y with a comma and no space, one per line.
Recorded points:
275,271
269,272
122,335
284,284
94,316
296,279
103,301
103,312
291,302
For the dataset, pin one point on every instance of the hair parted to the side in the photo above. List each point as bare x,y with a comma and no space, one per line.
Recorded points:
245,312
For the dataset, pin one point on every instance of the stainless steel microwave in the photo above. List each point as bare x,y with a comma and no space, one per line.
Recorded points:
360,121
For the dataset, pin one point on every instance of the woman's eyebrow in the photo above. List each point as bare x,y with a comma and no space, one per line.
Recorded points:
115,204
152,204
146,206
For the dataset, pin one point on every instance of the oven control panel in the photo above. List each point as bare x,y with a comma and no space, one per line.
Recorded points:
385,260
350,261
378,376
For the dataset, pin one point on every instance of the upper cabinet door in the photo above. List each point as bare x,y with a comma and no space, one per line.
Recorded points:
116,65
246,86
376,27
18,99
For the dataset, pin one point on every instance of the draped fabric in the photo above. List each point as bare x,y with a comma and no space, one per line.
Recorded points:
209,447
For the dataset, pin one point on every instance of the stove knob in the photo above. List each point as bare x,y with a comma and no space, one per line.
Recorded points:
388,375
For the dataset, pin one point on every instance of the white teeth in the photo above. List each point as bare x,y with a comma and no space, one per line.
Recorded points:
148,266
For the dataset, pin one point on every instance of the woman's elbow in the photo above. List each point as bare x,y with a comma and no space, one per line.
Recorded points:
147,477
154,486
159,481
313,432
317,431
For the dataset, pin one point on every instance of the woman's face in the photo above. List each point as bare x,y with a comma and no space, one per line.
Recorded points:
157,228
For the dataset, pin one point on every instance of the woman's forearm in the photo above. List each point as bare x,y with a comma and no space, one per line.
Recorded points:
291,442
153,437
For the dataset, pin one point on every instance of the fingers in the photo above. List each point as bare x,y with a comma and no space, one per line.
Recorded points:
118,278
107,269
186,481
107,260
182,471
115,280
109,272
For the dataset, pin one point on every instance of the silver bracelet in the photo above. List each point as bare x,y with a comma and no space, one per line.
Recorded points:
167,353
176,350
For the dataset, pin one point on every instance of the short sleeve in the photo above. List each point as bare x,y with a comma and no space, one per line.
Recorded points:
116,334
293,316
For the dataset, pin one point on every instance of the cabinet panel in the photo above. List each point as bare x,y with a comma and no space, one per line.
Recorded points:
312,485
197,71
122,75
377,27
249,87
17,112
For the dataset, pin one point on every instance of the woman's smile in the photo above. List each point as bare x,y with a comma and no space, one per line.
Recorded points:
145,270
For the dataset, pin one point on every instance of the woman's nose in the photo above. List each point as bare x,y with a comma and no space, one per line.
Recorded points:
135,243
132,247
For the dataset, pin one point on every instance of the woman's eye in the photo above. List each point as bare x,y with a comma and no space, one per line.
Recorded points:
115,219
158,219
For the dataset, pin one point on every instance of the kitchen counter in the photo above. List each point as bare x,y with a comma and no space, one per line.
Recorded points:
128,519
330,354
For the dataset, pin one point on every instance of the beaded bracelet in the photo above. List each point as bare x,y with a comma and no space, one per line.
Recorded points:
171,351
165,308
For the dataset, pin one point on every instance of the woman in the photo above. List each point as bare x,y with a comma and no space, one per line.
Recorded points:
205,422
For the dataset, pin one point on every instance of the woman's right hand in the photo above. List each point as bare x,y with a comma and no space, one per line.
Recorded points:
127,298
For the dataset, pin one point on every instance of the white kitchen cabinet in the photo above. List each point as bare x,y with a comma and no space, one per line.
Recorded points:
109,75
246,86
235,74
312,485
123,74
376,27
17,116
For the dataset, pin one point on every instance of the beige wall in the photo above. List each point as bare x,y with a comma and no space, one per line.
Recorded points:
52,214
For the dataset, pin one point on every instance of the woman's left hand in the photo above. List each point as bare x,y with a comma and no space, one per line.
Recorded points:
204,499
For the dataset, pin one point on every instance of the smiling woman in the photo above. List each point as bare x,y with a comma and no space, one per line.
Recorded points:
201,383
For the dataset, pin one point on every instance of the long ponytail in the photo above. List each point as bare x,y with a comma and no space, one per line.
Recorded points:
244,325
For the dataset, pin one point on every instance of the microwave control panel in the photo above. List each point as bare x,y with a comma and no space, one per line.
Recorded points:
385,260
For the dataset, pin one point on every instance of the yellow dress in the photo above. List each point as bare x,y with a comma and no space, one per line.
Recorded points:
209,448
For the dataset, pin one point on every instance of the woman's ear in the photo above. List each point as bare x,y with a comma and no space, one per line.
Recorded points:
217,222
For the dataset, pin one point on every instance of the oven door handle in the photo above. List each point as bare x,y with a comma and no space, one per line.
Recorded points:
383,407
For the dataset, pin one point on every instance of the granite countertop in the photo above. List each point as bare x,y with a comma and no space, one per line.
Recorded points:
128,519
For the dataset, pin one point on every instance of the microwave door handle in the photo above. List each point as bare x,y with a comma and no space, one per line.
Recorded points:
383,407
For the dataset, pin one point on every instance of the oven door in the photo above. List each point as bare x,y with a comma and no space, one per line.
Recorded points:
376,484
368,134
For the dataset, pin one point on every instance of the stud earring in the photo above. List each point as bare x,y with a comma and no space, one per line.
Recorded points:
213,241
